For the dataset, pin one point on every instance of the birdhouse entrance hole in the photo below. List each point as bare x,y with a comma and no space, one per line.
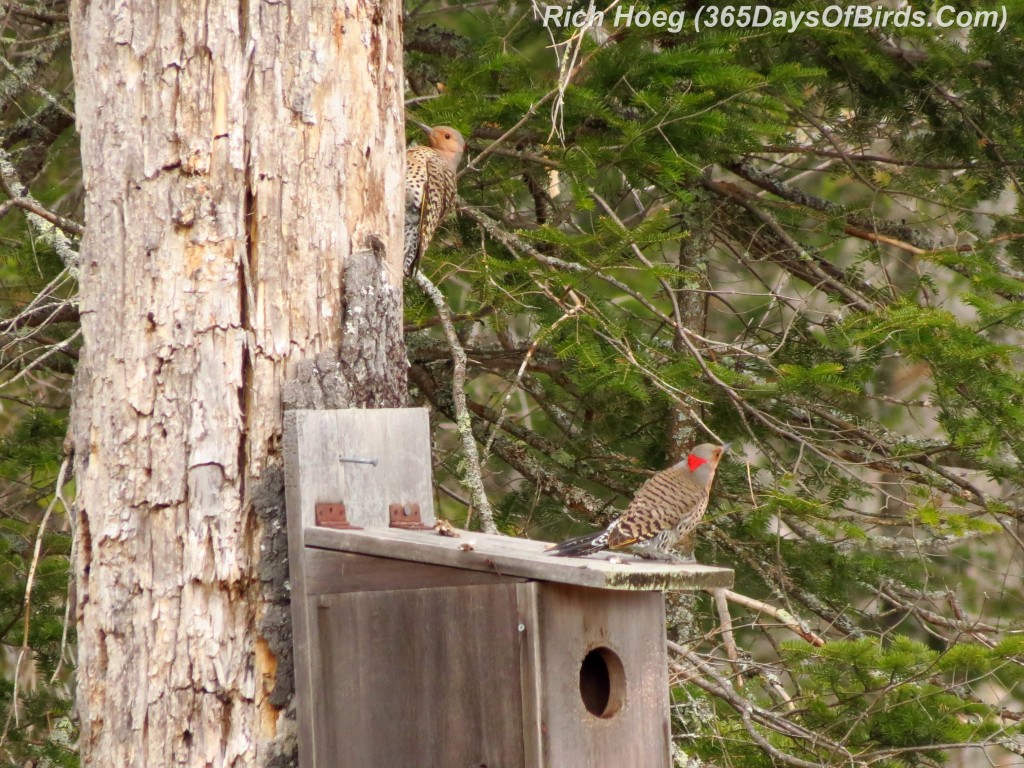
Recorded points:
402,636
602,682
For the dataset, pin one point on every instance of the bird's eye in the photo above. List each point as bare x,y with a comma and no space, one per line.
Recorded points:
447,135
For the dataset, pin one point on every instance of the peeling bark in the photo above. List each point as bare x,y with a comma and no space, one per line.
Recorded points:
243,175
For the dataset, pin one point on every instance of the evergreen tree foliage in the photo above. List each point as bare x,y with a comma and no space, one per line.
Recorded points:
807,243
38,349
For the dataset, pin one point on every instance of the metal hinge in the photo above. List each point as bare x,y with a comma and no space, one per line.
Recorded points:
334,516
406,516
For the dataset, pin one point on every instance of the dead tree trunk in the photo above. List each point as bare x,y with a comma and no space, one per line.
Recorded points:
243,171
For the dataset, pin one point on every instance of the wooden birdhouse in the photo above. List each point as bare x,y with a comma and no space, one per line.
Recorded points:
419,650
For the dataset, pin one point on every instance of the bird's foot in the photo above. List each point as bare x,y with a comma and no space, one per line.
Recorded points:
665,557
683,559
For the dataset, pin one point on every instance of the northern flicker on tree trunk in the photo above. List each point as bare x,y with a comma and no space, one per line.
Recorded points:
429,189
667,507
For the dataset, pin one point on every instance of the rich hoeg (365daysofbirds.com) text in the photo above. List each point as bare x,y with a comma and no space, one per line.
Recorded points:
764,16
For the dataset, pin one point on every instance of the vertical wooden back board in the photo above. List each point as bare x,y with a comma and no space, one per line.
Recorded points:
397,441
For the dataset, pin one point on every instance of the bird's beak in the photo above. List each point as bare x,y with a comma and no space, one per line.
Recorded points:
423,127
726,448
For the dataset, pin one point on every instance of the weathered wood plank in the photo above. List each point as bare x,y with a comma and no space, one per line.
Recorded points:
398,439
314,441
522,558
302,629
330,572
570,622
533,741
405,685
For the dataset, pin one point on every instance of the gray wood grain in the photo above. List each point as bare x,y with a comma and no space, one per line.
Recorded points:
570,621
523,558
423,651
301,620
313,442
398,439
424,678
329,572
532,687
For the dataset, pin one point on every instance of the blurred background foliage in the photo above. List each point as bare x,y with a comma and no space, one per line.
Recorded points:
807,243
39,187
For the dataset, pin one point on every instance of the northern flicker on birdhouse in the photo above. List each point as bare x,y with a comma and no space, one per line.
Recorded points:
666,508
429,189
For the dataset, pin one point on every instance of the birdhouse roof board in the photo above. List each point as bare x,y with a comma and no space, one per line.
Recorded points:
524,558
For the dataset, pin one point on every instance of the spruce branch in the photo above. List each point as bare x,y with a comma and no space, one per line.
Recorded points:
713,683
46,228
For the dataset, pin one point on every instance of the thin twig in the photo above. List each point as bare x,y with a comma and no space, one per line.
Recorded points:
59,494
45,230
493,146
749,712
473,476
728,638
12,713
572,312
792,623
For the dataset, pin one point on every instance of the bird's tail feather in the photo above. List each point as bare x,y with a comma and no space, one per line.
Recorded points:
581,545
